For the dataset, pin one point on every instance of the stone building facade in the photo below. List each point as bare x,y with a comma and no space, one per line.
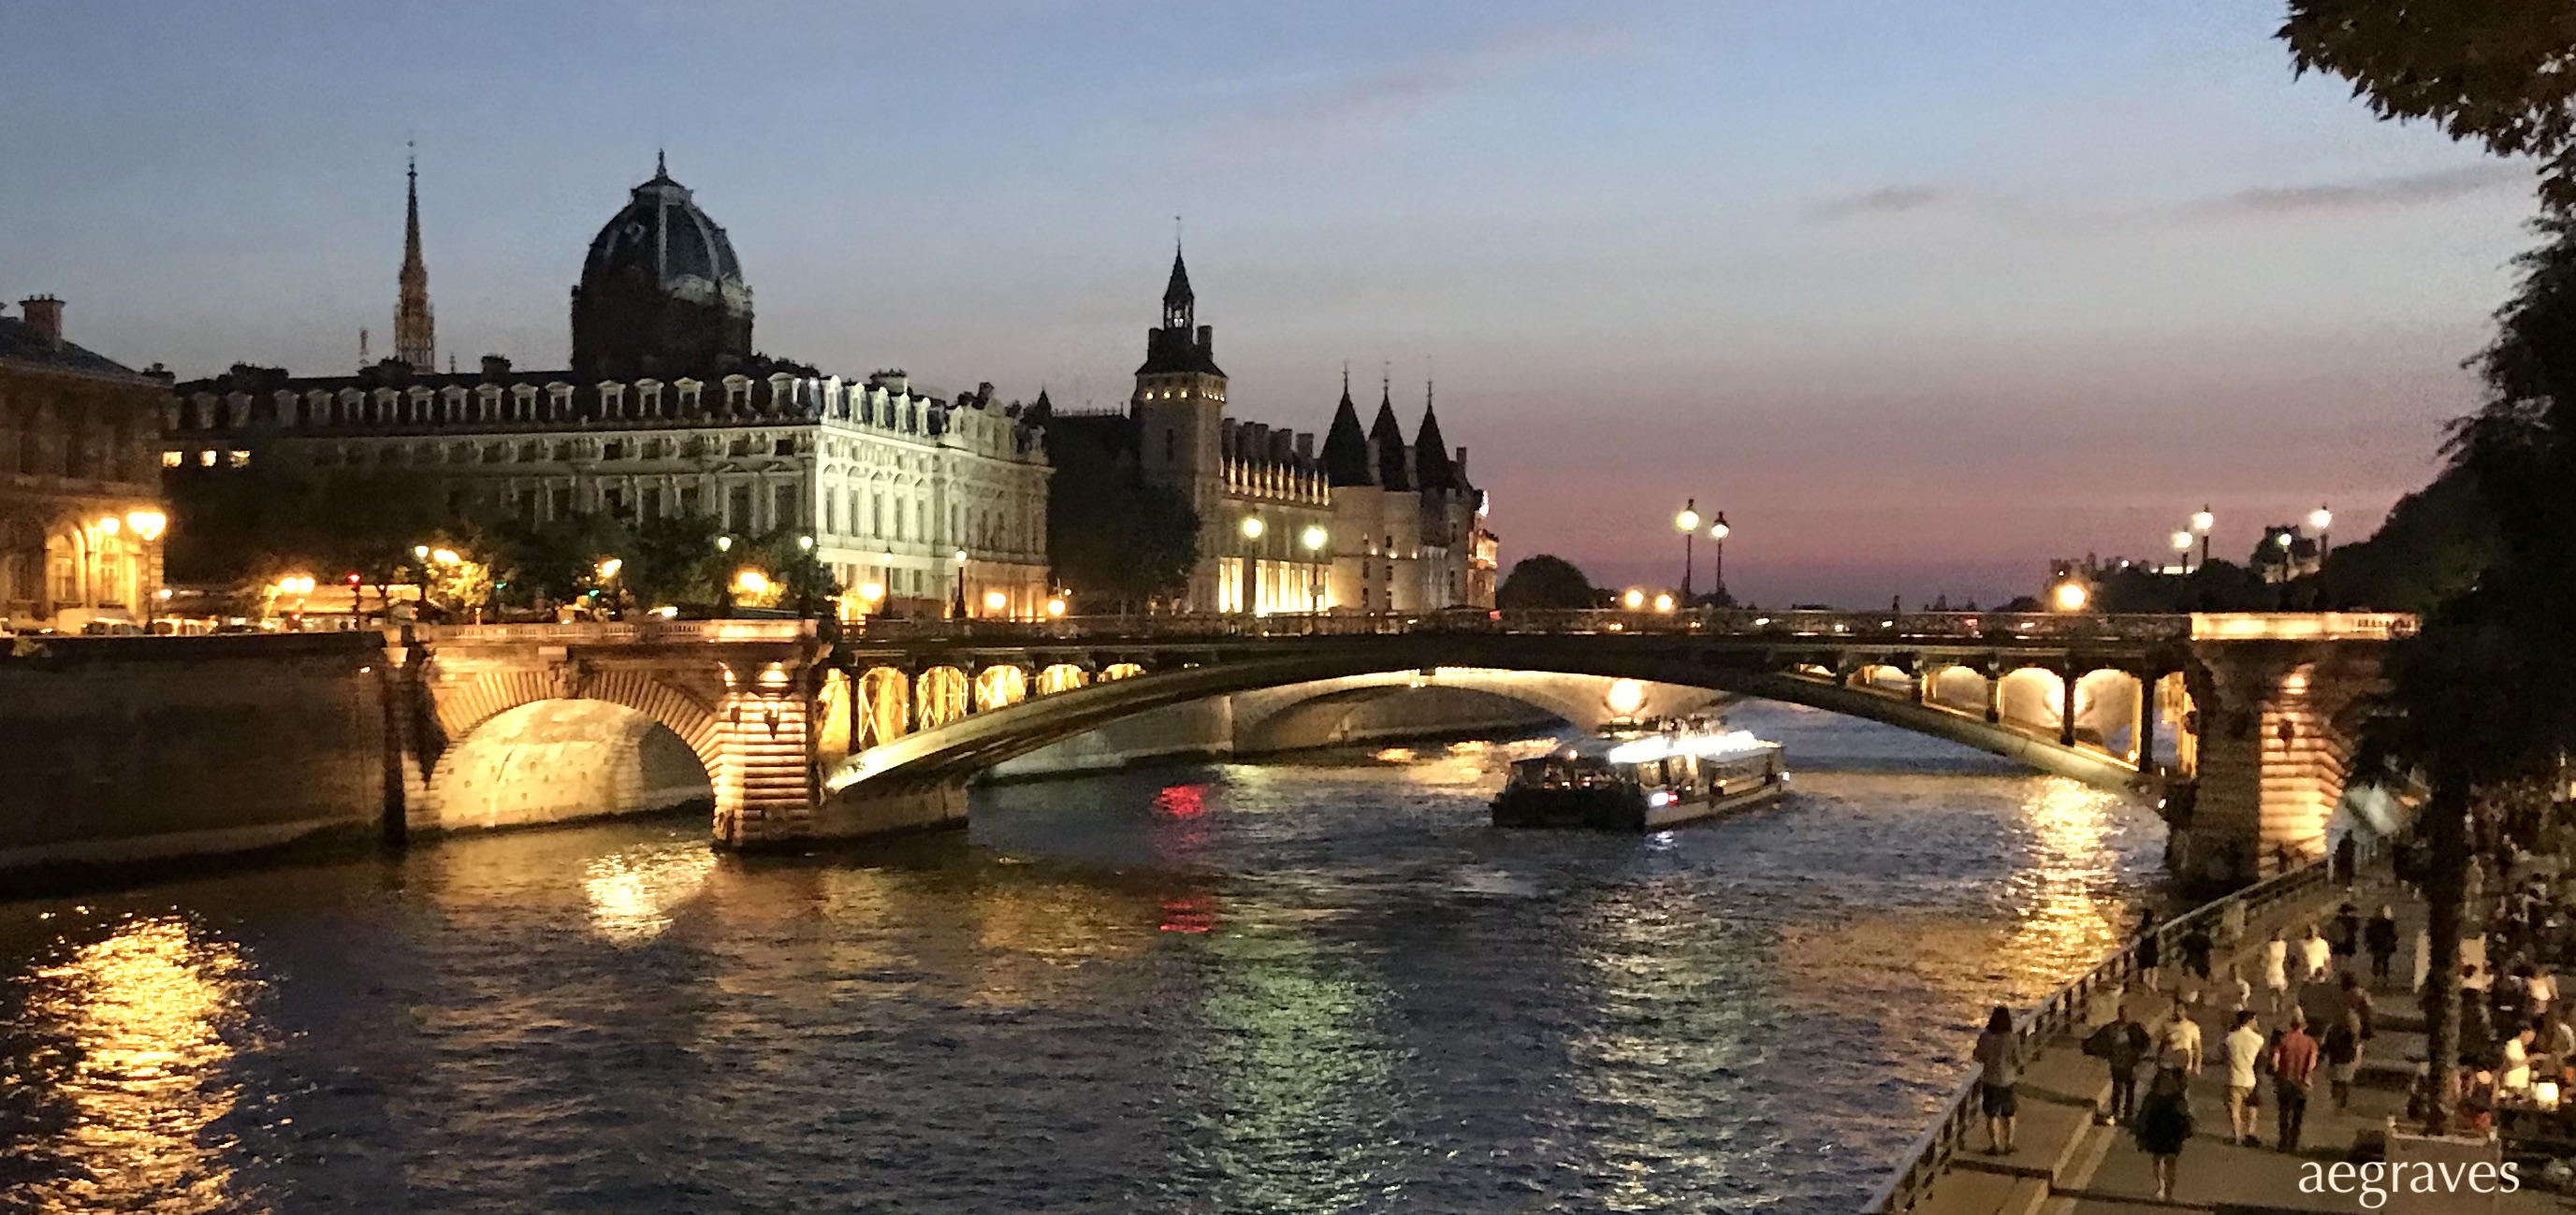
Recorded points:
80,505
668,410
1371,523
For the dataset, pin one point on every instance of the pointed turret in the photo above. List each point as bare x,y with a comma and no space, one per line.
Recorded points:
415,334
1386,438
1180,304
1346,446
1431,466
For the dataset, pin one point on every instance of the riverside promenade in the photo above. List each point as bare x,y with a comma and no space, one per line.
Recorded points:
2065,1164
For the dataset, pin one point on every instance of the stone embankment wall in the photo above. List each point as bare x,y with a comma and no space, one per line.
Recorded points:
121,750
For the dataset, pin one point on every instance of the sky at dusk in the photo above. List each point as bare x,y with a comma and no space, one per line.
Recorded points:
1921,295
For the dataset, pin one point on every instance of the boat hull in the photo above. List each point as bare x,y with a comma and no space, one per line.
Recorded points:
1621,809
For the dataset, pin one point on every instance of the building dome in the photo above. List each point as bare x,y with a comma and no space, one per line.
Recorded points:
661,291
664,237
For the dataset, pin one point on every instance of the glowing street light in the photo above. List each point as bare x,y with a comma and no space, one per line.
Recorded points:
749,581
1717,534
445,556
724,544
806,543
2318,521
420,552
1055,605
147,524
995,601
871,592
2069,596
1634,599
1664,602
608,568
1252,527
2201,522
1314,538
1687,523
2182,549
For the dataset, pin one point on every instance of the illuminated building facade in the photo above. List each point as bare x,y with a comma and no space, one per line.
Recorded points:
667,409
80,509
1371,523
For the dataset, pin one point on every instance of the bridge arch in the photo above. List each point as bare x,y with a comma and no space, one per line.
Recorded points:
557,760
946,755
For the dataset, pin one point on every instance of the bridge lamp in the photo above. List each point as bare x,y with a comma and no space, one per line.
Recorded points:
1626,696
1055,605
2318,521
1664,602
2201,522
995,601
1634,599
2182,545
1687,523
2069,596
1253,527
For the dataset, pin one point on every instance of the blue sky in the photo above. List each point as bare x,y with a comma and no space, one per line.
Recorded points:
1921,295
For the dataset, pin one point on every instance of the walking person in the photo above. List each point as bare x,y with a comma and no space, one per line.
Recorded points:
2276,969
1998,1056
2343,935
2162,1127
2178,1043
2122,1045
2244,1049
2195,947
2379,936
2150,952
2294,1073
2316,955
2342,1052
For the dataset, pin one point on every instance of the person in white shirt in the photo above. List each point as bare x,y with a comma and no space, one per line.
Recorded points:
2317,954
2178,1042
2240,994
2541,993
2244,1046
2276,969
2517,1062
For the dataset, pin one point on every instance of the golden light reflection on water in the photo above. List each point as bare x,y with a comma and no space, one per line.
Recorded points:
145,1014
2062,919
1304,1075
634,893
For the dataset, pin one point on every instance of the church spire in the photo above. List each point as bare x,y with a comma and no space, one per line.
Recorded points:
1180,304
415,333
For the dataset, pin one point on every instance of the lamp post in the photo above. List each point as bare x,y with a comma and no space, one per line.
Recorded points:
1252,529
2319,520
2201,522
957,607
147,526
1687,523
1314,539
1717,534
2182,550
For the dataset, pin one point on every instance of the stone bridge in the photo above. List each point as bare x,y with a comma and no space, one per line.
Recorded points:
2242,723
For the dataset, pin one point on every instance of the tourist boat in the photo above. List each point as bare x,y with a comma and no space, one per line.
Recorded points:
1643,778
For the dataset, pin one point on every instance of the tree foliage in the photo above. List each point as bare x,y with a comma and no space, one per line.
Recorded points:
2500,73
1115,542
1544,582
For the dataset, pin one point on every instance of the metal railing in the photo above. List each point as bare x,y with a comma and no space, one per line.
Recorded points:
1945,628
2065,1011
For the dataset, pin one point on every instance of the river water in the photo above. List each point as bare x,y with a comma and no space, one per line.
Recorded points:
1307,987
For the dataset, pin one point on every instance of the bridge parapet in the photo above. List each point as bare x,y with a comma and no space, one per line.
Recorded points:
1951,628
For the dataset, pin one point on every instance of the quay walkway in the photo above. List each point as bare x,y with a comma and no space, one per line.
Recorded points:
2065,1164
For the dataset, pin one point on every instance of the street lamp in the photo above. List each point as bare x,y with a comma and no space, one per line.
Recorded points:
2318,521
1634,599
147,526
1314,538
1687,523
1055,605
750,582
1664,601
1252,528
1717,534
724,544
957,603
2182,549
2201,522
2069,596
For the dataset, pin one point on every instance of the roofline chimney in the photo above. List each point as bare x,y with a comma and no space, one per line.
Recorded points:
45,317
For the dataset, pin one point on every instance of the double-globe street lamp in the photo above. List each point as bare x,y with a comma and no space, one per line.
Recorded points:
2201,522
1687,523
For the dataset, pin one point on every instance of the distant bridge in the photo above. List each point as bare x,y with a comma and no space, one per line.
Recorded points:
805,738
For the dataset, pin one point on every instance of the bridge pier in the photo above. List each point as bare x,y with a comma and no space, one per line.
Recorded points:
2275,741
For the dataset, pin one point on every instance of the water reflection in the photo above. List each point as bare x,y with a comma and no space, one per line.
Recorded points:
633,893
141,1025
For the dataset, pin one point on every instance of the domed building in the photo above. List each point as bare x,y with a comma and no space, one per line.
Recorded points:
931,500
661,291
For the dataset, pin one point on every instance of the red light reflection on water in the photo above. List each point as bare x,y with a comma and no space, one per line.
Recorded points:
1182,801
1189,913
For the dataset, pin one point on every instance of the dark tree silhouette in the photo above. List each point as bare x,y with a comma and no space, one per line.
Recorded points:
1545,582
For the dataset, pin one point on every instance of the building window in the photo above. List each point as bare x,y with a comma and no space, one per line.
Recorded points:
563,451
739,447
561,506
782,447
173,459
492,453
688,499
612,500
738,509
612,450
783,510
652,502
